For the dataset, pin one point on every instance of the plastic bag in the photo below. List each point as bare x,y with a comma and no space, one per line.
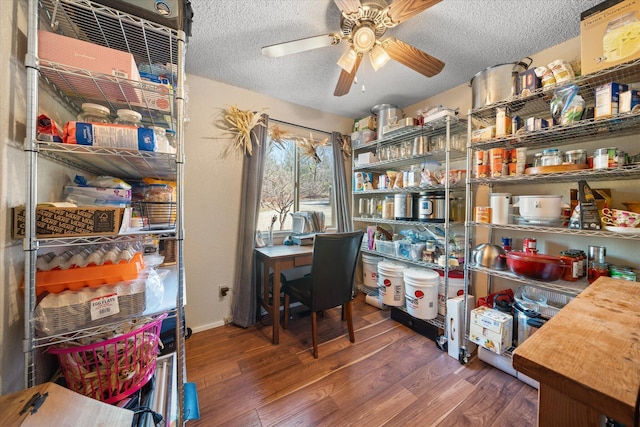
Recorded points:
154,281
566,105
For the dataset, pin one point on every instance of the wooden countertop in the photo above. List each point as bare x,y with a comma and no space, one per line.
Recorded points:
590,350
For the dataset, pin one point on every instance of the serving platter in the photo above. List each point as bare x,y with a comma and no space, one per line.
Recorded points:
623,230
554,169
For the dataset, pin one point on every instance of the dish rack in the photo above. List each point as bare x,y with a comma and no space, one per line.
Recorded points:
115,368
157,215
543,301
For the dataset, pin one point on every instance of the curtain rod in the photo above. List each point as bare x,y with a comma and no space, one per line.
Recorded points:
300,126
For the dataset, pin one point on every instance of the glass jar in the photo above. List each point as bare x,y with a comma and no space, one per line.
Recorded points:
456,212
162,143
128,118
171,137
94,113
158,193
551,157
387,207
571,272
597,269
537,160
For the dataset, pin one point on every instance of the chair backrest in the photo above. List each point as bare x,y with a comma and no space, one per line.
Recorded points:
333,268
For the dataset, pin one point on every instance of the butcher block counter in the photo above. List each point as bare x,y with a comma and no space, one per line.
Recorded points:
587,357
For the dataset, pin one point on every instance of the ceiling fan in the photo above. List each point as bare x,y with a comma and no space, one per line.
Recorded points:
362,24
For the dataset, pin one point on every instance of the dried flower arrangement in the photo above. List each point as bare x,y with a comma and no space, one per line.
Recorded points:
239,124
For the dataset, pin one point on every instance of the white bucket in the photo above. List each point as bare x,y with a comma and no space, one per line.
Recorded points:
421,292
391,283
456,288
370,270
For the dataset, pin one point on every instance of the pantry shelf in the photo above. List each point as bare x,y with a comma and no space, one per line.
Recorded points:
417,224
429,189
620,173
126,163
560,230
437,156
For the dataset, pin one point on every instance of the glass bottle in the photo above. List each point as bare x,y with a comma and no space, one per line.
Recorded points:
128,118
94,113
162,143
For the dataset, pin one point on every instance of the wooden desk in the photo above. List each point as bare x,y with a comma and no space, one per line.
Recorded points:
278,258
587,357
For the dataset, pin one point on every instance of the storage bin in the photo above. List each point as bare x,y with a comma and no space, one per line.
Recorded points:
385,247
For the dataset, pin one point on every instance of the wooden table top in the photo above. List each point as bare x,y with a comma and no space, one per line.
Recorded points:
590,350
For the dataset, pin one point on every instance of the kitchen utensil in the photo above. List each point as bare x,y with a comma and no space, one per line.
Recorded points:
540,207
489,256
535,266
496,83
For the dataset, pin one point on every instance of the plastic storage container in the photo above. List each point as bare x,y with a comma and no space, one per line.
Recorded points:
94,113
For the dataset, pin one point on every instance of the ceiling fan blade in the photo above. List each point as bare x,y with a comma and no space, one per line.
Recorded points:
412,57
346,79
347,6
300,45
401,10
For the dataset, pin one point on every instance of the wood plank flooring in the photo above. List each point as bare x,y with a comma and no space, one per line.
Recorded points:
391,376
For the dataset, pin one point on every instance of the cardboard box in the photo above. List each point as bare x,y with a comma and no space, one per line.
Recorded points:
535,123
156,96
108,135
607,100
491,329
91,57
503,122
609,34
64,222
367,158
629,101
484,134
368,122
528,82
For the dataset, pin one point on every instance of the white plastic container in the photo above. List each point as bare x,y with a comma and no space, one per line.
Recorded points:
455,288
391,283
370,270
421,292
500,203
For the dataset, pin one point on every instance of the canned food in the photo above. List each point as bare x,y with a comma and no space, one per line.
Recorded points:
529,244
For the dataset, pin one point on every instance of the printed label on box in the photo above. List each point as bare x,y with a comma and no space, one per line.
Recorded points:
104,306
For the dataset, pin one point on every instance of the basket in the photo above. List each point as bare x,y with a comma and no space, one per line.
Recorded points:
113,369
157,215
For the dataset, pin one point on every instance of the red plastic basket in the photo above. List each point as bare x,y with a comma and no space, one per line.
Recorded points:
113,369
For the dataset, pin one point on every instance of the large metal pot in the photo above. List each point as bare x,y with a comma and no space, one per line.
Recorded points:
496,83
527,322
535,266
489,256
386,114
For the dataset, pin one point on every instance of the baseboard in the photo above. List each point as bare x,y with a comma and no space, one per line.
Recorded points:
208,326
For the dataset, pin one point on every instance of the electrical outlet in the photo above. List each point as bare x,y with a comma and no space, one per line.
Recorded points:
223,291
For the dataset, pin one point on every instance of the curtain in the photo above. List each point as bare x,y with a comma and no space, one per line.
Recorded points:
340,185
244,306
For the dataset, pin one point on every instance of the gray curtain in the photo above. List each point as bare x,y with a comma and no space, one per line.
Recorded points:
243,309
340,185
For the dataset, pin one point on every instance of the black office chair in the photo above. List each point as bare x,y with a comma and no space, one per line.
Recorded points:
330,283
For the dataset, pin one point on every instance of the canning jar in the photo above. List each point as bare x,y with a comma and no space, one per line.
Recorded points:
387,207
597,269
158,193
537,159
128,118
571,272
456,210
162,143
551,157
94,113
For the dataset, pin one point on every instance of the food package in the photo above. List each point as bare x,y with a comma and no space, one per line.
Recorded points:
607,99
491,329
562,71
547,79
109,135
585,216
48,129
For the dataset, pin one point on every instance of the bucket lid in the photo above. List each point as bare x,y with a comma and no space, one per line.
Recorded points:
391,267
420,275
453,274
371,258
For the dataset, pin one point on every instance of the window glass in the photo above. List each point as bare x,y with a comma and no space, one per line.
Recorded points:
298,176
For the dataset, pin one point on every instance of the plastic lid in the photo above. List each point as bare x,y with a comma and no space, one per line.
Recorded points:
170,132
96,107
129,113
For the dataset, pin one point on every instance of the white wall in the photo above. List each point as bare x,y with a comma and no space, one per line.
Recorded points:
212,191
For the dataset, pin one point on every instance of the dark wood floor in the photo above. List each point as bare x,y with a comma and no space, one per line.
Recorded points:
391,376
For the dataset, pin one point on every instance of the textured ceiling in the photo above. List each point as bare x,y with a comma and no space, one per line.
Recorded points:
468,35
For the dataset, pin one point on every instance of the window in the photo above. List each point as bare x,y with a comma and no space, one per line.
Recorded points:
298,176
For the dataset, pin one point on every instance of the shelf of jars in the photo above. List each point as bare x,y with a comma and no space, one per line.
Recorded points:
619,173
125,163
436,127
584,130
625,233
430,188
562,286
437,155
415,262
538,101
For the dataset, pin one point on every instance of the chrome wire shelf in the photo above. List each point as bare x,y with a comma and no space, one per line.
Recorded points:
95,240
418,224
561,230
538,101
620,125
438,156
429,189
625,172
128,164
562,286
420,263
148,42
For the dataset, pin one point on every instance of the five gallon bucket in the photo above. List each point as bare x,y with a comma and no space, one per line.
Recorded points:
391,283
370,270
456,288
421,292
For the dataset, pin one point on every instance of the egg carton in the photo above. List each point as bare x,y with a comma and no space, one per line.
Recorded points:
86,255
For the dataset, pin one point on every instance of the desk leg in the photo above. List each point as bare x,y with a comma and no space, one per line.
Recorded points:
557,409
275,308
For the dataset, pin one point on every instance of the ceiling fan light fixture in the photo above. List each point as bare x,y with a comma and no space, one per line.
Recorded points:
378,57
348,60
364,39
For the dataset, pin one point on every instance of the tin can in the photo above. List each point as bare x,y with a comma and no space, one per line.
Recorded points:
529,244
506,243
